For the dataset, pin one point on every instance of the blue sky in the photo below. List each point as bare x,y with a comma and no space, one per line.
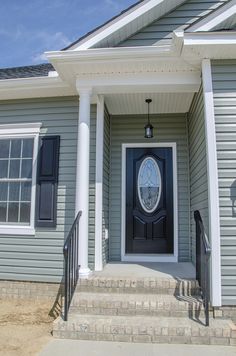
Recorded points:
30,27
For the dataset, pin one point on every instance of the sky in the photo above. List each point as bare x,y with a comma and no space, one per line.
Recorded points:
28,28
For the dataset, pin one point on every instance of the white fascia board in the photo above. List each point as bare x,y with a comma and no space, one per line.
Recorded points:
210,38
23,88
100,54
215,18
124,19
31,82
138,82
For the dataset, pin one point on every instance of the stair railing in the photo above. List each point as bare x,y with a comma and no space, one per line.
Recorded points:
203,253
71,264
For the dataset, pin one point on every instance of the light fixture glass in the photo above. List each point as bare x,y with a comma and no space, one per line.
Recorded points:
148,128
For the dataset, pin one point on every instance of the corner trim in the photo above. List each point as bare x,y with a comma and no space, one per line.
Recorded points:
213,187
99,183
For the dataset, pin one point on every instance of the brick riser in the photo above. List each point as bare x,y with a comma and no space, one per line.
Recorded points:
139,286
152,310
133,304
151,330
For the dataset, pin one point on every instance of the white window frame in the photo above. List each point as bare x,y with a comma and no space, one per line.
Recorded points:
22,131
149,257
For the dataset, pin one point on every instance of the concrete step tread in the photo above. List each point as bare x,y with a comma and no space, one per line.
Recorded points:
146,321
145,329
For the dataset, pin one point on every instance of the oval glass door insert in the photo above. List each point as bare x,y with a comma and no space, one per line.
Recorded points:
149,184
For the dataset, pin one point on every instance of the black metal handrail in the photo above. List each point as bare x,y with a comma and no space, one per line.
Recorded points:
71,264
203,253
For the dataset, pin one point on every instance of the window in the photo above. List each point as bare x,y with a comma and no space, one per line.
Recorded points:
18,152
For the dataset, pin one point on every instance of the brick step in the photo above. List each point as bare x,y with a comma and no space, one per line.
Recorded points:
145,329
136,304
171,286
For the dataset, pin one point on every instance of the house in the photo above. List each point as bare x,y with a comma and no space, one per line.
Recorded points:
79,134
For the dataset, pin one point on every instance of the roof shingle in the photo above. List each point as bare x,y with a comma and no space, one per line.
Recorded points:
39,70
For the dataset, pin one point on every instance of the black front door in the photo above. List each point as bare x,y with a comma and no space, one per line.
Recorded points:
149,201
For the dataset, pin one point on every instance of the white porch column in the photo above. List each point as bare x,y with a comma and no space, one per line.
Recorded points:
99,183
213,190
82,177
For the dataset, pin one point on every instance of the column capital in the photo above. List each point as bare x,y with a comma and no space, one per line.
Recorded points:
84,89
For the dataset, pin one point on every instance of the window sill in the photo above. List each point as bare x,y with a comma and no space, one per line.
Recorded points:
17,230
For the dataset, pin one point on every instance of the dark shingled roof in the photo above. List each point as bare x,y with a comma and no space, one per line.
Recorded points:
39,70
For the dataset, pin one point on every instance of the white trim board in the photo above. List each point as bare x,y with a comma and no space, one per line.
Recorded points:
30,130
99,183
156,257
213,190
215,19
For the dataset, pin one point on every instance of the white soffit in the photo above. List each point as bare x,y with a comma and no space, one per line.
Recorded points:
162,103
229,23
127,24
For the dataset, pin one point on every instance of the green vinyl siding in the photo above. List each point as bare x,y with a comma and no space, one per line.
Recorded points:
40,257
130,129
178,19
224,88
197,166
106,179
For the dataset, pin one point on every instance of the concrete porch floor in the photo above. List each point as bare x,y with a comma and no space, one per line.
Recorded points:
183,270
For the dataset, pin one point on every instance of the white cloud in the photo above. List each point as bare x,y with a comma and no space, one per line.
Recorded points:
39,58
113,4
48,42
51,40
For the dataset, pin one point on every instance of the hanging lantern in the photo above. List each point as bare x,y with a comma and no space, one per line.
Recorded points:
148,128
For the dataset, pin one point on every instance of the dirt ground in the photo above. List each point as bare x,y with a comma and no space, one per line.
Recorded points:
25,326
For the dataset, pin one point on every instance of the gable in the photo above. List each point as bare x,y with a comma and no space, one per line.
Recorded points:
181,18
125,25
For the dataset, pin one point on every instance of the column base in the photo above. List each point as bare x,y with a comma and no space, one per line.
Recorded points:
84,272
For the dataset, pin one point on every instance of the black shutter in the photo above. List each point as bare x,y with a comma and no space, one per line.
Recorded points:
47,180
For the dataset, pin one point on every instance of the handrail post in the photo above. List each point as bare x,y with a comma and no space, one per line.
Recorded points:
66,283
203,252
71,267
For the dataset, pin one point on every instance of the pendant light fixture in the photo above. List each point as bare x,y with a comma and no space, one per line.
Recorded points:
148,128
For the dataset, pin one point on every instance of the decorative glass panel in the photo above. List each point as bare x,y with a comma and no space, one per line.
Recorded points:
149,184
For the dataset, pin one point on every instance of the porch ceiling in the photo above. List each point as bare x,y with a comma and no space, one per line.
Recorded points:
162,103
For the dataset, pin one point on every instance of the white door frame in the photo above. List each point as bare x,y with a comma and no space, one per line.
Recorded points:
147,257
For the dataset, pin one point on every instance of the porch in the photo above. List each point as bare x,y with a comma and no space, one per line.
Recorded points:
183,123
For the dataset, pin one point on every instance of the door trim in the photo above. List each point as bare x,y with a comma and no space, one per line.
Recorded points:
155,257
